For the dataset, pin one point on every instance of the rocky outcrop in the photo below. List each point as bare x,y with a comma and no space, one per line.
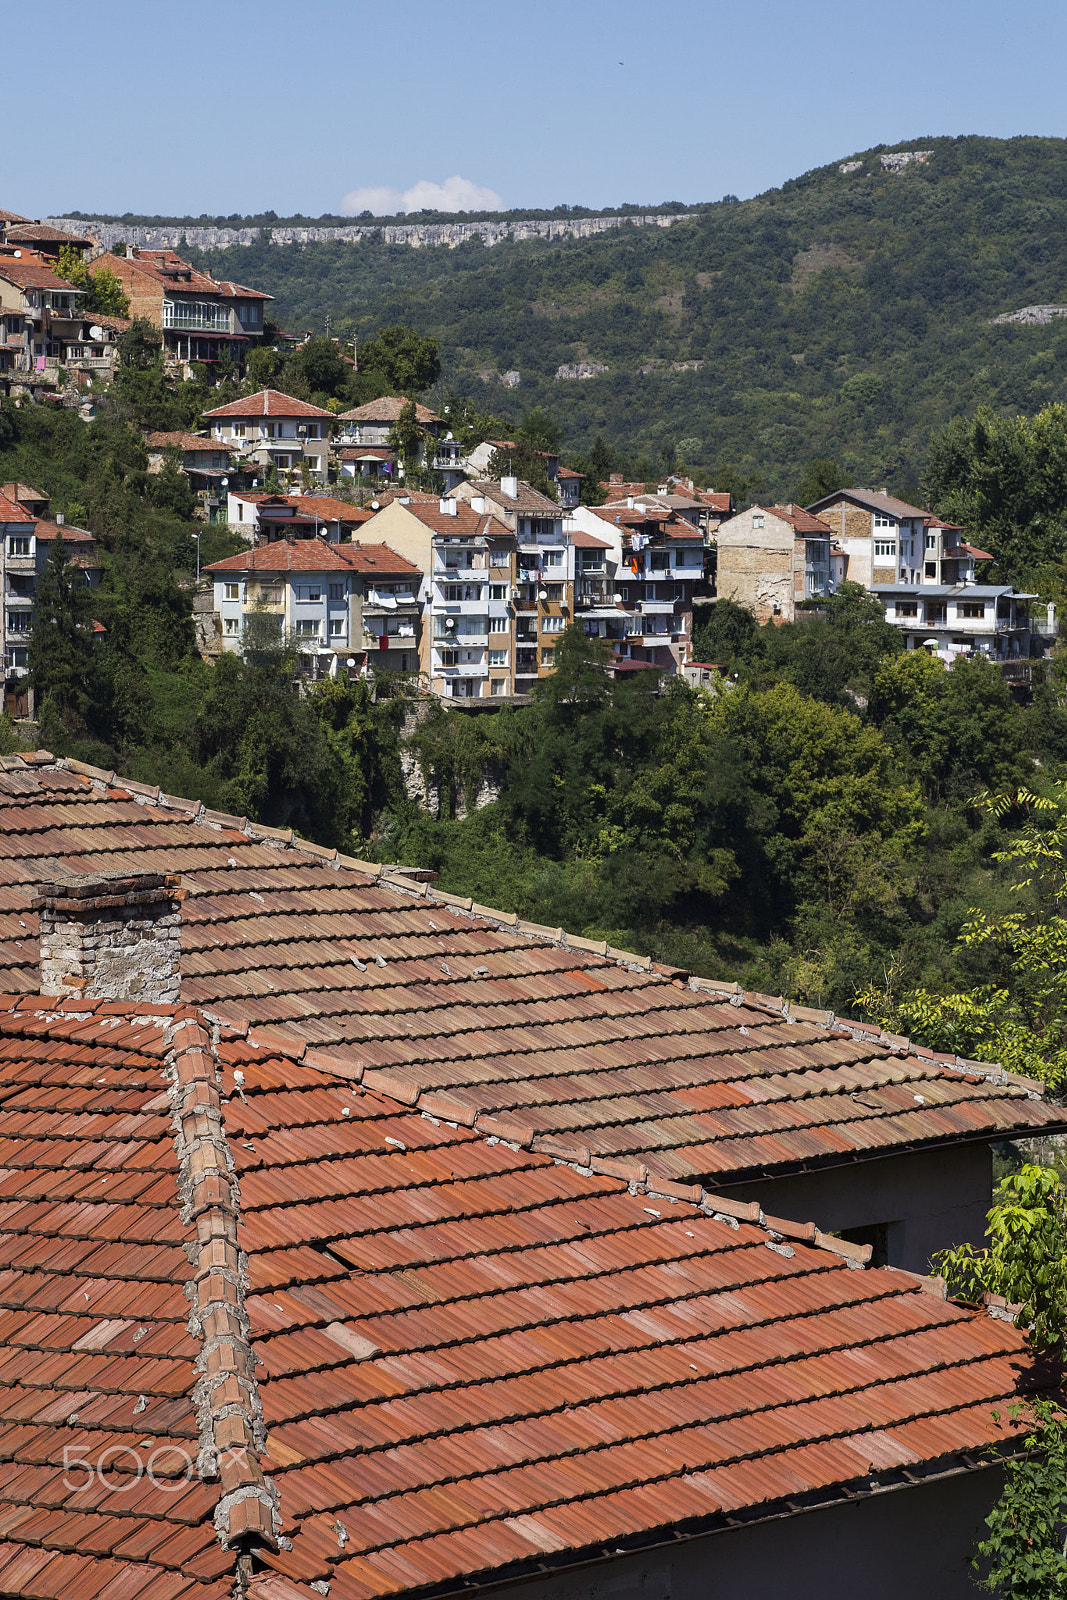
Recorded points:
1033,314
170,235
579,370
903,158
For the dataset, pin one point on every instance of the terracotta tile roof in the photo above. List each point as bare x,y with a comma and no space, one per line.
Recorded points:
182,441
71,534
13,216
465,521
28,272
586,541
387,409
315,555
240,291
871,500
269,403
574,1040
799,519
527,499
326,506
41,233
366,452
165,268
11,511
389,1354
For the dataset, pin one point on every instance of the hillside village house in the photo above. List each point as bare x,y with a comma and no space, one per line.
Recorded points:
28,537
274,429
259,515
200,317
408,1262
467,558
772,557
40,312
658,561
363,437
205,462
336,602
40,237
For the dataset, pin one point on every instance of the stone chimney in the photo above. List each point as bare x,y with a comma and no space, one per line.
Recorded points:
111,936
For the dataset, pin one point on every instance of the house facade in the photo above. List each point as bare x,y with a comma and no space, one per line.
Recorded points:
362,439
199,317
772,557
340,604
467,558
883,539
659,562
41,314
271,429
28,538
258,515
960,619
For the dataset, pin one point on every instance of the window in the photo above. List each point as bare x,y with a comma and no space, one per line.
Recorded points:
18,622
882,521
498,558
233,626
238,430
907,608
936,612
18,544
886,549
233,591
970,608
931,541
307,629
498,686
313,430
498,658
758,519
553,558
498,591
551,624
337,591
269,594
309,591
930,569
337,627
555,591
624,593
548,656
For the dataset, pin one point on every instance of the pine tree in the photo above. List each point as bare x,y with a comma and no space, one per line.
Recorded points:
61,652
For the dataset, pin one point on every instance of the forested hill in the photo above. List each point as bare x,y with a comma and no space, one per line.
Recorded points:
846,314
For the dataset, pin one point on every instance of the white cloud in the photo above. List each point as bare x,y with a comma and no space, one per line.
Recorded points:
455,194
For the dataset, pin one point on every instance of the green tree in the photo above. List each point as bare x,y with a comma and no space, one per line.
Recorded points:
1022,1556
522,461
540,431
169,487
405,436
104,294
409,362
61,659
819,477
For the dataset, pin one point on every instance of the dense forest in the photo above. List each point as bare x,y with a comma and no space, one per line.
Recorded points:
844,314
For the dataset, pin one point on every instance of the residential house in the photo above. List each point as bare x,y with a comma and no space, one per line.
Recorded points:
960,619
259,515
40,312
28,537
200,318
45,240
270,1331
660,564
363,439
770,558
336,602
883,538
205,462
545,569
467,557
274,429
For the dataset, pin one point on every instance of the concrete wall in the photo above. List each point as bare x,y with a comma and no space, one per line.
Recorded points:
931,1199
903,1544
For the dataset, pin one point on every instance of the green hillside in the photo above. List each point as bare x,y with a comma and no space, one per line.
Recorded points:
843,315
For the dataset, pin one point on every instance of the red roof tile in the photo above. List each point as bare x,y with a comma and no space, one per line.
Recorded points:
576,1040
269,403
390,1353
316,555
387,409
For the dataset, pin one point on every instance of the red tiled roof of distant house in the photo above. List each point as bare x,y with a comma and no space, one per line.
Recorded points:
28,272
240,291
587,541
164,267
181,441
13,216
32,233
872,500
584,1046
527,499
387,409
269,403
366,452
251,1307
798,518
314,555
65,530
568,472
464,520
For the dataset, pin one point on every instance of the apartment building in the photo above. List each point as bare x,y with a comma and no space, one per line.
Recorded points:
27,538
259,515
659,561
467,557
274,429
883,540
363,435
772,557
340,604
40,312
200,317
960,618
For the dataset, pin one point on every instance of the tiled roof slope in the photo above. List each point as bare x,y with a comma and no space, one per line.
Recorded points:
382,1353
98,1366
587,1050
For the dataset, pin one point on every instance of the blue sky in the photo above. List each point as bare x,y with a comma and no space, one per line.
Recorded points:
292,107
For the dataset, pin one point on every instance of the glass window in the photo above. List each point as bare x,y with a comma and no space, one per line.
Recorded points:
233,591
307,629
498,658
548,656
309,591
551,624
233,626
555,591
498,591
337,627
18,545
886,549
337,591
970,608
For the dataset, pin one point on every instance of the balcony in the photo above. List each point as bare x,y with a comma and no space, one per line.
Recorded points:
196,316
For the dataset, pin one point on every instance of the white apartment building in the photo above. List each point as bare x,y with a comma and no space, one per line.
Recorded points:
958,619
273,429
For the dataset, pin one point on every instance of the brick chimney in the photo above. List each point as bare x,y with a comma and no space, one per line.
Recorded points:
111,936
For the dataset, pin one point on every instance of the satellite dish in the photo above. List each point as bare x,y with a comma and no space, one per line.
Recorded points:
376,505
449,622
96,332
542,594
